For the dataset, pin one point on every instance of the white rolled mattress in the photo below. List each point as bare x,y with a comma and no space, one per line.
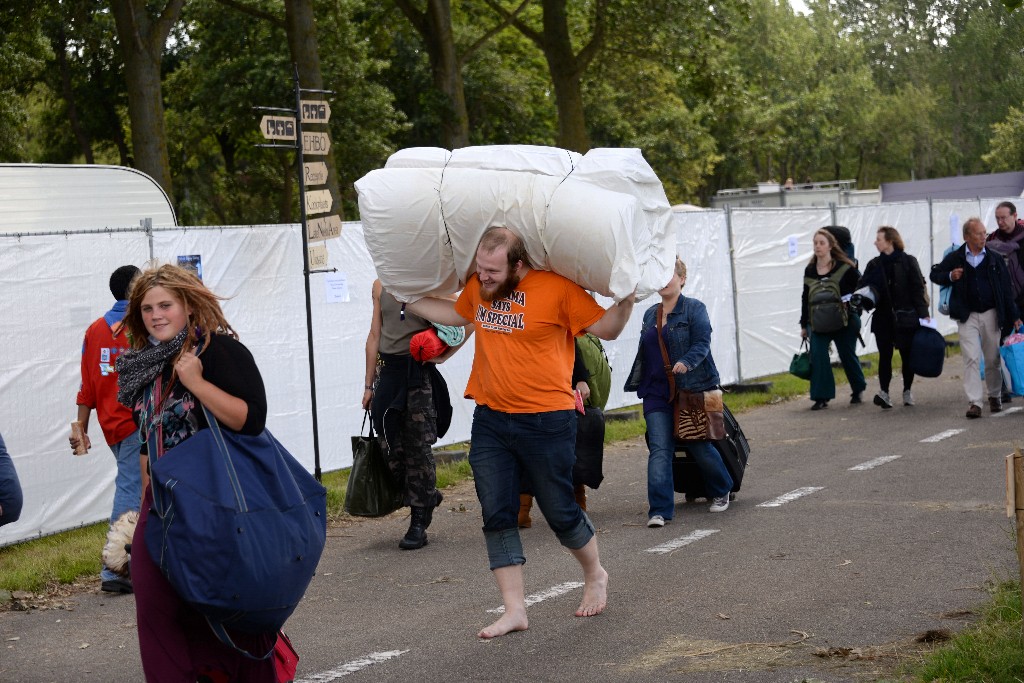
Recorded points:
600,219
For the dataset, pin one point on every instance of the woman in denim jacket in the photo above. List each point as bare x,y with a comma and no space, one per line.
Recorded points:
687,335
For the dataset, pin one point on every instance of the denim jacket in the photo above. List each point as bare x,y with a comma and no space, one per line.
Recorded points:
689,341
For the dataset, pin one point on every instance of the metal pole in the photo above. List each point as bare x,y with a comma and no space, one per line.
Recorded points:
931,254
305,272
735,292
147,227
1018,499
832,209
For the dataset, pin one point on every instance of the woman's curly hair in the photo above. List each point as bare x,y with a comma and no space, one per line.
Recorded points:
206,317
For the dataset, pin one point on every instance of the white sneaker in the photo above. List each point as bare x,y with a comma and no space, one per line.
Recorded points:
908,398
719,504
656,521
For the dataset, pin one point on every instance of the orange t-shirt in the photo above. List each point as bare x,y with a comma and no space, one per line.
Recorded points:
524,344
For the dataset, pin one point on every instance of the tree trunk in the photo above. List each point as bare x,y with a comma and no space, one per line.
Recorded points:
287,196
305,52
567,70
67,91
141,39
447,72
435,28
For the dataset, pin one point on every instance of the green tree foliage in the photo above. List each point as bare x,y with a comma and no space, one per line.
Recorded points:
235,61
1006,147
959,59
85,91
716,95
23,51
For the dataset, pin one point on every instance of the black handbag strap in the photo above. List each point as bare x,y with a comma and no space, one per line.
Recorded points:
366,417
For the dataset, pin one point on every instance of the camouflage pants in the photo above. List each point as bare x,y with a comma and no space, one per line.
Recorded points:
411,459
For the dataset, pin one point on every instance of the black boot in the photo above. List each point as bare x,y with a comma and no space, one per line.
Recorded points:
429,511
416,536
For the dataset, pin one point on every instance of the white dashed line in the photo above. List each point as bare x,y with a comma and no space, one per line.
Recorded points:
1007,411
791,496
871,464
553,592
942,435
689,538
352,667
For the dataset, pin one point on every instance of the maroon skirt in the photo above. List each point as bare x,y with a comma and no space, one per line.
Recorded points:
175,641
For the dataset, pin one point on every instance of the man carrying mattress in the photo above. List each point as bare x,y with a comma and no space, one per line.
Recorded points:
524,422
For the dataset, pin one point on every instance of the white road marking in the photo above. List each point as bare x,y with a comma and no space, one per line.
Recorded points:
871,464
791,496
1007,411
689,538
942,435
553,592
352,667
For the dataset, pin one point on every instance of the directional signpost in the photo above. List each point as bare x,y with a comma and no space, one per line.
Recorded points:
318,201
287,125
324,228
278,127
316,111
314,173
315,143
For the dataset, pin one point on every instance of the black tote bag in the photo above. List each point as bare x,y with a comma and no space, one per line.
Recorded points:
372,491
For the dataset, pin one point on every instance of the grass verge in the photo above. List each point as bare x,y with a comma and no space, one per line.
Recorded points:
990,650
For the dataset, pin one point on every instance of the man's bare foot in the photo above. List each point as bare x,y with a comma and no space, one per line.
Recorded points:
507,624
595,596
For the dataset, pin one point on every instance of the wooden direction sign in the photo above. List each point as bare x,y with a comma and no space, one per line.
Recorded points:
317,144
314,173
317,256
278,127
315,111
319,229
319,201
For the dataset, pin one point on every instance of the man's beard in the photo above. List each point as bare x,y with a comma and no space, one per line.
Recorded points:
503,290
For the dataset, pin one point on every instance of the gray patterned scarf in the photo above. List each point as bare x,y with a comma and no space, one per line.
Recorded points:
137,368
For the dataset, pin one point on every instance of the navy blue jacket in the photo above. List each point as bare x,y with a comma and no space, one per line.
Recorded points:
689,341
959,298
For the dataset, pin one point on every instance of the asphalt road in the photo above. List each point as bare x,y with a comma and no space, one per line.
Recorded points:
832,582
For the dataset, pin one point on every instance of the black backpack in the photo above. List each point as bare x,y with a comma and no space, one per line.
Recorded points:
825,308
844,238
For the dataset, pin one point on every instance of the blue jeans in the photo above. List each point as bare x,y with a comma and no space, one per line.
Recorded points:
540,449
127,484
661,493
10,488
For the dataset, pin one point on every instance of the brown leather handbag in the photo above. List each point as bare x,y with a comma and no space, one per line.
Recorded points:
696,416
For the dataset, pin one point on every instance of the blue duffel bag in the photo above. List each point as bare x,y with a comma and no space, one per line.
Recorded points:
237,526
1012,352
928,351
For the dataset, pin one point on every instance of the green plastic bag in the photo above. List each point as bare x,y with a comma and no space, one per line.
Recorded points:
372,491
801,363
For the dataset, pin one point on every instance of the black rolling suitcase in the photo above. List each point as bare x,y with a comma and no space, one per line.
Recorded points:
734,449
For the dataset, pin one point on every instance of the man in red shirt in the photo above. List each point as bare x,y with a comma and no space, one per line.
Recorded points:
104,340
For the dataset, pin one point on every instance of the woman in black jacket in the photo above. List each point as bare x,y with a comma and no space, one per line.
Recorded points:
830,264
895,279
